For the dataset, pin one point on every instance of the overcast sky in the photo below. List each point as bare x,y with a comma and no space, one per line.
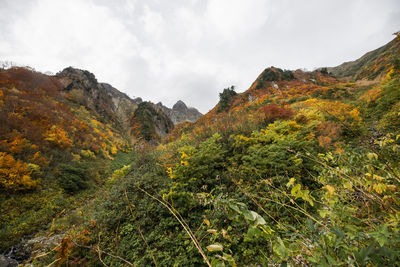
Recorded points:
166,50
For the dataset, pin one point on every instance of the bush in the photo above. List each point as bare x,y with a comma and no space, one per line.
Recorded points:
269,75
287,75
274,112
276,74
73,177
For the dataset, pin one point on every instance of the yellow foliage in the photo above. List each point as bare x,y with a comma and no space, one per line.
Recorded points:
96,123
110,133
18,145
88,154
76,157
330,189
337,109
39,159
388,75
371,95
58,137
114,150
15,175
170,172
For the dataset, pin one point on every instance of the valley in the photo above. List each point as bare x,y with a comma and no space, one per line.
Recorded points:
301,169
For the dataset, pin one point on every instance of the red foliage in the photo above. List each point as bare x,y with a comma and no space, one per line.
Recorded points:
329,132
273,112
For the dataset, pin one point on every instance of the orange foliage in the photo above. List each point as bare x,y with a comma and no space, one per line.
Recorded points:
274,112
14,174
329,131
58,137
372,95
17,145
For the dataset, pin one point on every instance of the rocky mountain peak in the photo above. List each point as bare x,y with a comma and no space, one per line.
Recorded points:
180,106
180,112
113,105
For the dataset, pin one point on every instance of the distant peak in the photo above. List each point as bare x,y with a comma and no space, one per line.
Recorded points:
179,105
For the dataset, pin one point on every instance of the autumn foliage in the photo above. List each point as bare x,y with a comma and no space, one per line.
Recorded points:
273,112
15,174
38,125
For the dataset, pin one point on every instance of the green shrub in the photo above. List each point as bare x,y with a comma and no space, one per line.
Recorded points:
73,177
269,75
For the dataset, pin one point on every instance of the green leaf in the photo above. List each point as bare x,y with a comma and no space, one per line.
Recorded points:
382,235
323,213
215,247
250,215
291,182
295,190
280,249
260,220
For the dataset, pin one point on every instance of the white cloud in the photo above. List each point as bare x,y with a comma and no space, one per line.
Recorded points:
190,50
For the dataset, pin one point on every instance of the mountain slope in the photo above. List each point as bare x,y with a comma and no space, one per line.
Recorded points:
111,105
302,169
373,64
150,122
58,137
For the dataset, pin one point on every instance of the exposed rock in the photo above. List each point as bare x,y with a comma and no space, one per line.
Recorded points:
150,122
181,113
7,262
41,244
111,105
252,98
101,98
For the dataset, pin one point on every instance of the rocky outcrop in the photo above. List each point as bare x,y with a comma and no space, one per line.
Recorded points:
149,122
111,105
181,113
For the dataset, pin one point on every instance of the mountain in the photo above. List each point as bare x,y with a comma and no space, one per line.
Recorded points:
180,112
111,105
150,122
370,66
60,133
301,169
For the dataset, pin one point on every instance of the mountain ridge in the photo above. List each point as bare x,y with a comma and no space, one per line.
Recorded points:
111,104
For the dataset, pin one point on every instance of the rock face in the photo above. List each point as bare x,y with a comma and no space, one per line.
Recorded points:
111,105
150,122
181,113
104,100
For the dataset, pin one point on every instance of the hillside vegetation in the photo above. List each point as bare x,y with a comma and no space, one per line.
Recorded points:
302,169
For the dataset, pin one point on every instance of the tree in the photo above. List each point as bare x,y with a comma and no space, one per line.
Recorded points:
15,175
225,98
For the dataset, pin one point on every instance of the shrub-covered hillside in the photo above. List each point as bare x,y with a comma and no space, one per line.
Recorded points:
48,145
302,169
